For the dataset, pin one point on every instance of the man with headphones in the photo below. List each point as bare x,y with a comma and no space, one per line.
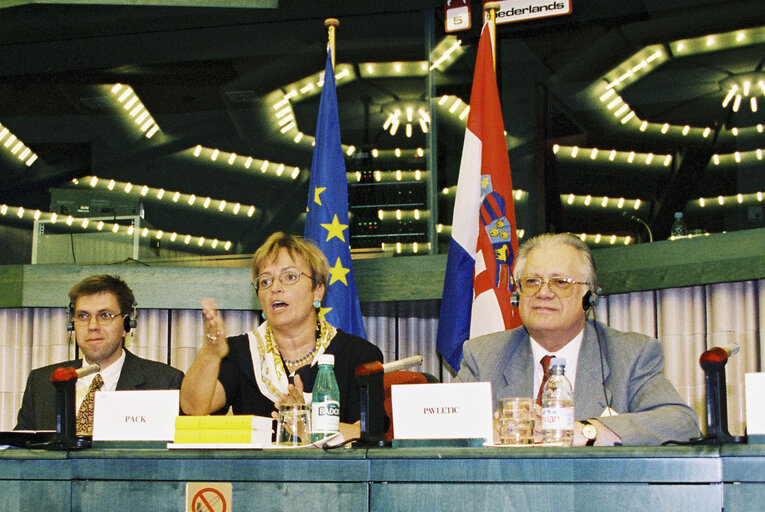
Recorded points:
102,313
620,393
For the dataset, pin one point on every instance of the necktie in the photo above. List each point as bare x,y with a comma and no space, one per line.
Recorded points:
85,414
545,376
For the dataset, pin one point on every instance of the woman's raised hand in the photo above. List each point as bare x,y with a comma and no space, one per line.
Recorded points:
214,329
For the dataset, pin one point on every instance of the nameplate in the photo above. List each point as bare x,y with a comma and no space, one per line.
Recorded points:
754,385
442,411
147,415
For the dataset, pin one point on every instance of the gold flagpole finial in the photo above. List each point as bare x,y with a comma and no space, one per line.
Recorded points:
331,23
490,10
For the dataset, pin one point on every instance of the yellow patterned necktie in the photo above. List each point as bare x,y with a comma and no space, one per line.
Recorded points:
85,414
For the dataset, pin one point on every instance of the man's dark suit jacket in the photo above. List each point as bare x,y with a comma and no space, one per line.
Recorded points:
38,407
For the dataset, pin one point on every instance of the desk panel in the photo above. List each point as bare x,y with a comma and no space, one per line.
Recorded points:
221,465
262,480
698,464
528,497
36,495
170,496
35,480
697,478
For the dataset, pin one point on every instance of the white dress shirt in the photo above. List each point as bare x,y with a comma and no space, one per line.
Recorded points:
570,352
110,374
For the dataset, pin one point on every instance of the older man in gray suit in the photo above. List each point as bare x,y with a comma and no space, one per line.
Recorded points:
620,393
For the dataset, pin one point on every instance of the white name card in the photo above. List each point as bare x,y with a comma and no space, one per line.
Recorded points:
755,407
442,411
147,415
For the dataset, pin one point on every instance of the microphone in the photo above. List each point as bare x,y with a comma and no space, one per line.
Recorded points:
718,354
68,373
393,366
88,370
635,218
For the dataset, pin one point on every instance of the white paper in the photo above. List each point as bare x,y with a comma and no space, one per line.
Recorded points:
755,405
147,415
332,440
442,411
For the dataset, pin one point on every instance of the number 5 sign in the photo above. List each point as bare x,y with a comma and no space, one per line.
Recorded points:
457,15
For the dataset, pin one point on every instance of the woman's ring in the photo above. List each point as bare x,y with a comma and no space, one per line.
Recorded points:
212,338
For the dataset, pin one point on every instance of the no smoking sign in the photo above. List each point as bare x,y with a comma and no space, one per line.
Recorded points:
208,497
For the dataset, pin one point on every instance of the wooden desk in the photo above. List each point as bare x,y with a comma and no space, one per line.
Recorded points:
701,478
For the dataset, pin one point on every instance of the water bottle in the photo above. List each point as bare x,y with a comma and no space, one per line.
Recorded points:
678,228
557,407
325,402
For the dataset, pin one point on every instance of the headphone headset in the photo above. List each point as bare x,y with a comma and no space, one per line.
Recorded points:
128,322
588,301
515,299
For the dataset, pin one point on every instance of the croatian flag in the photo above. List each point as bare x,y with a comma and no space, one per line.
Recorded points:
479,283
327,217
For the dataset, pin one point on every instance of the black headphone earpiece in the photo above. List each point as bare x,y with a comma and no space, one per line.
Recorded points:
129,322
515,299
70,313
590,300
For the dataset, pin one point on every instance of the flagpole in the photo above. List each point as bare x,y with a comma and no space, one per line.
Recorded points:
331,23
492,8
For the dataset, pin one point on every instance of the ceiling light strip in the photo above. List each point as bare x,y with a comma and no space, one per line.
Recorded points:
160,194
726,202
136,110
16,147
247,162
630,157
97,224
596,202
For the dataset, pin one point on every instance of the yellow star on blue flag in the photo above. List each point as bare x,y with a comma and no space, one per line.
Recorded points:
327,218
335,229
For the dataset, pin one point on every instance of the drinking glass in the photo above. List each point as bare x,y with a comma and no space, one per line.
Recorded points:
516,421
294,425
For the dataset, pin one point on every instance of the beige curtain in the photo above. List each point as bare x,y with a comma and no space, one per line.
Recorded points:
686,320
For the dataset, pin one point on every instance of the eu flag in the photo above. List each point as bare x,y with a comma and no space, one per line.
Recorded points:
327,216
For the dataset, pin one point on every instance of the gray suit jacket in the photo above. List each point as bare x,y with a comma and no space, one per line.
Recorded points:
38,407
650,409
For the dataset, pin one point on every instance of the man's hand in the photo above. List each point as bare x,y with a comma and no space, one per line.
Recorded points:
605,437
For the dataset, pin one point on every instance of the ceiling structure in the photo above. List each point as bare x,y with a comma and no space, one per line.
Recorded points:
209,84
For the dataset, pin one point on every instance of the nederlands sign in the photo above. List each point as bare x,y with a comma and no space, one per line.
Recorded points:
519,10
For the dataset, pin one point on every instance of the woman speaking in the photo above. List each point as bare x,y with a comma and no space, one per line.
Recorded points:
276,362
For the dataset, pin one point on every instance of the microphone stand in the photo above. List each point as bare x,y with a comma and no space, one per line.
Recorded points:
64,380
713,363
635,218
369,379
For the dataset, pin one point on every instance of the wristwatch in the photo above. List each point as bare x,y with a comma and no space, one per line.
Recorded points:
589,432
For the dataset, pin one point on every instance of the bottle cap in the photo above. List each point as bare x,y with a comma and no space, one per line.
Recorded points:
558,361
678,215
327,359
